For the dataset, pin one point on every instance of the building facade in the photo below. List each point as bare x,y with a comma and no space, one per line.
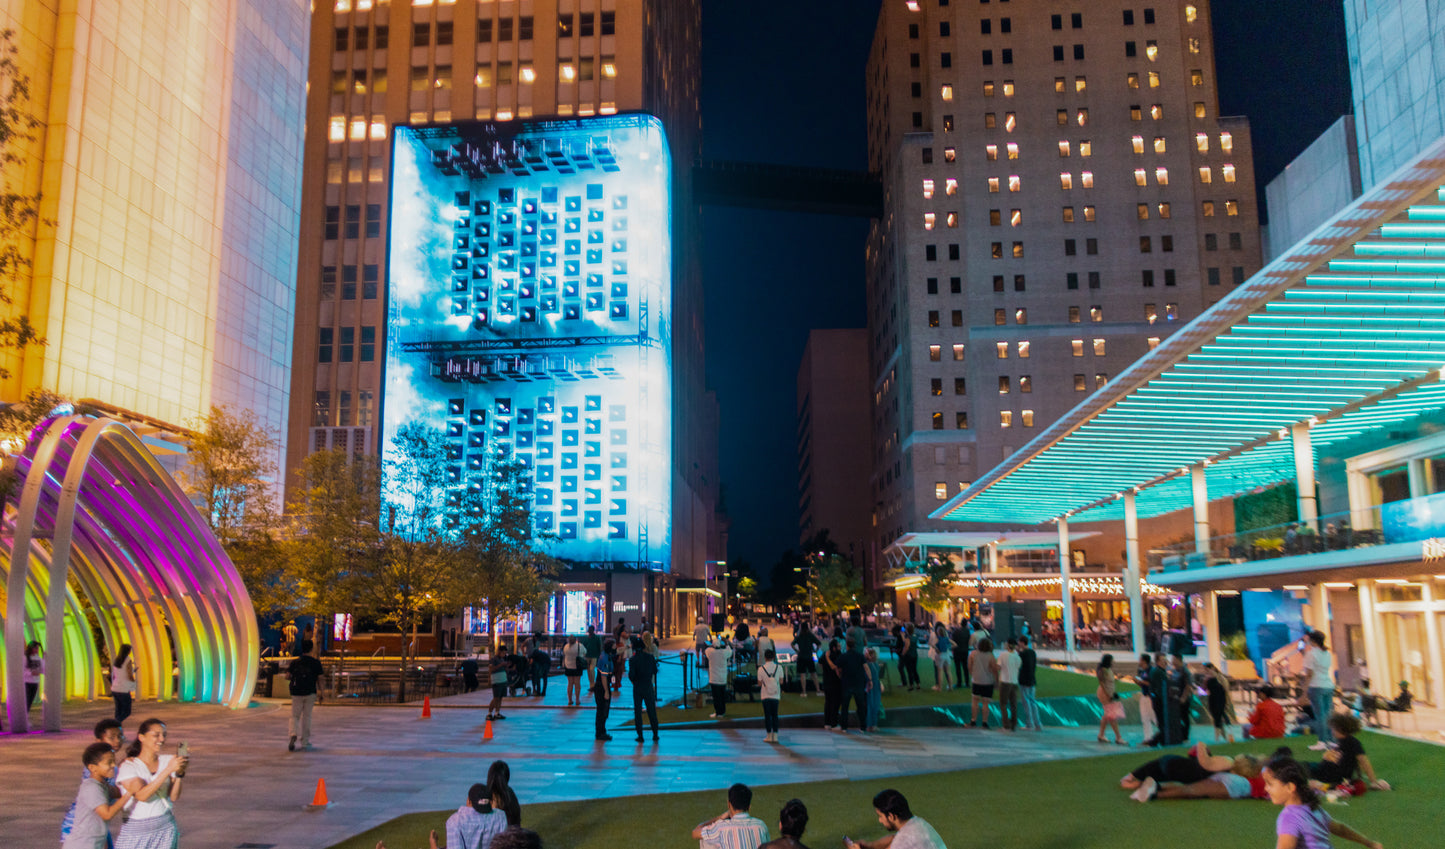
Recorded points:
162,272
833,434
376,65
1060,194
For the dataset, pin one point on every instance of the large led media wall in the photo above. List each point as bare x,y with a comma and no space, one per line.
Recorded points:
530,317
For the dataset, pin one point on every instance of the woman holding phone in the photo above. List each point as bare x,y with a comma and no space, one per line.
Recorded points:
154,781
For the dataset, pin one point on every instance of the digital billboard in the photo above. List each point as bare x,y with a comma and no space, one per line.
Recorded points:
529,317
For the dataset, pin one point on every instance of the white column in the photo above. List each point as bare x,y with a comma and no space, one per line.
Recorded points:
993,557
1201,508
1067,592
1304,474
1131,572
1370,623
1432,650
1319,599
1213,646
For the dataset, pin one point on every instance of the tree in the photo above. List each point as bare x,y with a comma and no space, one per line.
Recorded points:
230,476
939,575
17,421
503,565
19,211
833,585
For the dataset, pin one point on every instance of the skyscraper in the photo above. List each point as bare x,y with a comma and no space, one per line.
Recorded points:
832,437
377,65
1060,194
168,163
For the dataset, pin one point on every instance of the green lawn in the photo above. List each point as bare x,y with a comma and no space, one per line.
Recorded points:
1052,683
1075,804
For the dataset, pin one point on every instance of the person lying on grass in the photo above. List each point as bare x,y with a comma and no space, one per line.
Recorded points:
1199,775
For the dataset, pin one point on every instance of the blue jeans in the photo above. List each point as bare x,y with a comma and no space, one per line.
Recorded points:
1322,701
1031,707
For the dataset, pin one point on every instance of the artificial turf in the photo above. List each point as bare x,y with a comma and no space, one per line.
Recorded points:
1053,683
1074,803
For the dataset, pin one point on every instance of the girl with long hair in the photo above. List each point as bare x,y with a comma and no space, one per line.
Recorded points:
122,682
1108,696
154,782
1301,823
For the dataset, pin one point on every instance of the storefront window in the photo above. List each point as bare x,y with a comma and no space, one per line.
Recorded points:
1391,484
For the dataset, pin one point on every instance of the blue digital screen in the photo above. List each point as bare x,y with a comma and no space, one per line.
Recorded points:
1414,518
529,317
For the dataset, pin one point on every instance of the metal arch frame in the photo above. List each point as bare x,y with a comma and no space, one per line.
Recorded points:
145,560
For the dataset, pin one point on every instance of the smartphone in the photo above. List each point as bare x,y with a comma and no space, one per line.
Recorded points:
183,751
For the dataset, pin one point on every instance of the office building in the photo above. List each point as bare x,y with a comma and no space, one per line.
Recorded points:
379,65
833,442
1060,196
162,272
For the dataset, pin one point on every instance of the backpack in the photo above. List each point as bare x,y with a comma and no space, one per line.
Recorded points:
303,676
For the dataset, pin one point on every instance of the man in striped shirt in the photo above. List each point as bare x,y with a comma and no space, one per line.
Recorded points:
735,829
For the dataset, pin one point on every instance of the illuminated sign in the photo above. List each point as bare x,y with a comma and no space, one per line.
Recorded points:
1433,549
529,317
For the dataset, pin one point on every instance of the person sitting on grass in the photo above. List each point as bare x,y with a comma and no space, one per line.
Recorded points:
734,828
1345,759
792,821
514,837
476,822
1301,823
1266,721
905,831
1189,774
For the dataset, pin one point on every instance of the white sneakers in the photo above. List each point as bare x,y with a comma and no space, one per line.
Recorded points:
1146,791
1319,747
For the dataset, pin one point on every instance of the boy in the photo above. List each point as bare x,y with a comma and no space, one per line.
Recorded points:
93,807
107,731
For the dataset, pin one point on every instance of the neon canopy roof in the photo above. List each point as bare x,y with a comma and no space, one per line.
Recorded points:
1345,330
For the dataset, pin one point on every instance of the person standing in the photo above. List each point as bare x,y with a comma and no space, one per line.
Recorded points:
1181,693
853,686
1320,686
905,831
288,636
855,633
718,658
1220,708
572,661
621,654
122,682
154,782
875,689
701,636
643,676
93,807
1008,686
499,684
540,666
602,691
765,642
1028,683
908,659
983,666
593,646
1148,719
806,647
34,668
469,668
1108,696
832,684
959,636
304,673
941,650
1165,708
770,688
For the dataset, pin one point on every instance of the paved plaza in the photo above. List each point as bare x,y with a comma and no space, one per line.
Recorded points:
246,790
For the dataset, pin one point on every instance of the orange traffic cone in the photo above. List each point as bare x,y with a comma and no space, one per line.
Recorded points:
426,707
487,731
319,800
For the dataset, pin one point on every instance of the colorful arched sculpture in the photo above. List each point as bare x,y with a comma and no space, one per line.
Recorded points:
96,506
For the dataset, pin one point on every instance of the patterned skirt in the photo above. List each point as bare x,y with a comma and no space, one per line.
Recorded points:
160,832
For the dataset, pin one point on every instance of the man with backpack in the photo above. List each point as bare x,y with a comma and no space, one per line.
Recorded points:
304,673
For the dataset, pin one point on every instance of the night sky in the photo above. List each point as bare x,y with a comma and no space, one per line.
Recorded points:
783,83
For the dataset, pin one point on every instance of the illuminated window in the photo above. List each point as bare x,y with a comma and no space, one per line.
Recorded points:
1005,418
1133,80
1161,176
950,186
567,72
1100,380
927,189
1008,88
1028,418
935,353
1206,174
1062,116
1002,348
1068,215
938,421
935,386
1136,113
993,185
928,221
1013,150
1153,342
527,74
1226,142
1066,180
443,79
484,78
1153,79
1013,182
958,353
1138,144
1003,384
951,219
378,128
1151,49
1059,84
1080,84
1158,144
988,89
1015,217
338,128
1081,383
1199,109
1228,171
609,68
1064,149
1156,111
1151,314
1083,117
1196,77
949,154
947,92
1231,207
1098,347
1088,213
940,490
1096,313
1141,177
1190,13
1000,317
1009,122
1208,209
1018,252
1142,211
358,129
1021,316
1171,312
1078,347
1026,383
1201,141
1023,348
1164,210
992,152
960,421
1086,148
1086,179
